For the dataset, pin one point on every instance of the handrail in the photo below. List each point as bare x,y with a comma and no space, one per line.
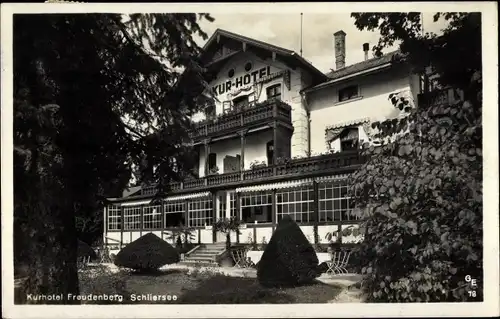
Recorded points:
291,167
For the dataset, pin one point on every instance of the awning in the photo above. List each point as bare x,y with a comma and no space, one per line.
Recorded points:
281,185
168,199
348,123
142,202
187,196
323,179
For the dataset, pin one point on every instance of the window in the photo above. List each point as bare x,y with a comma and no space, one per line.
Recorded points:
132,217
334,204
114,217
232,205
226,107
230,73
349,139
152,217
348,93
174,214
256,207
297,203
241,102
212,160
200,212
222,205
210,109
274,92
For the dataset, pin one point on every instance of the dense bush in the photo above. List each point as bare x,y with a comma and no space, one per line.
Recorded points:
289,259
84,250
149,252
322,268
420,192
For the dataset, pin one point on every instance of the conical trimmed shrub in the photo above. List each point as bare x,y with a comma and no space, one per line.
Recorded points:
289,259
148,252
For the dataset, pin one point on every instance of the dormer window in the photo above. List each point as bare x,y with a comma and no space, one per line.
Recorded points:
274,92
348,93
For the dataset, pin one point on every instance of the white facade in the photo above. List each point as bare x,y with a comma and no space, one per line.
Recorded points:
372,103
317,110
256,142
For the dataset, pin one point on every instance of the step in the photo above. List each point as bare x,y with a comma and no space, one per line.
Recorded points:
202,253
199,264
204,258
215,251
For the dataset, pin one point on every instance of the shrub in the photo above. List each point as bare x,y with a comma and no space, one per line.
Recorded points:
322,268
84,250
149,252
289,258
226,226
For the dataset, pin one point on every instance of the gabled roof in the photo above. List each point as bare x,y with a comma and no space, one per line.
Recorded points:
288,56
362,67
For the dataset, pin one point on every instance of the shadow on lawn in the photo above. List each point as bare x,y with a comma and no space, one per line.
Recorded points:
221,289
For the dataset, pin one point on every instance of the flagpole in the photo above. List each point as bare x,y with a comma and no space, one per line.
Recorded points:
422,22
301,14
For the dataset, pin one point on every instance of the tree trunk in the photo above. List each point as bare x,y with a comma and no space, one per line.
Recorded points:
53,256
50,240
228,240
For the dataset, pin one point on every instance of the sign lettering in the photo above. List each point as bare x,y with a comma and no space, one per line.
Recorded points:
241,81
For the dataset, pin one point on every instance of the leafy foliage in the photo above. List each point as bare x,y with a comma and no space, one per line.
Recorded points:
420,195
89,100
84,250
184,232
147,253
289,258
228,225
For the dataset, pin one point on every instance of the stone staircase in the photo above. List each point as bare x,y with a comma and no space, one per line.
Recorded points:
205,255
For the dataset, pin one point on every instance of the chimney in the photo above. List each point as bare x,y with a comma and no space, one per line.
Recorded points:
366,48
339,38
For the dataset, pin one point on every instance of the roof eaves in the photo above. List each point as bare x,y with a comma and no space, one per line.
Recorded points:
267,46
345,77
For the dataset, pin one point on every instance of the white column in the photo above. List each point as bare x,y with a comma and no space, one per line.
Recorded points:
228,204
105,230
217,207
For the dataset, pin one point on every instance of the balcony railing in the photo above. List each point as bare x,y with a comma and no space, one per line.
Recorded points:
317,165
259,113
439,97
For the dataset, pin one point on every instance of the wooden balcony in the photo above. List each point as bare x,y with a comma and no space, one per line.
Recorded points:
294,168
439,97
257,115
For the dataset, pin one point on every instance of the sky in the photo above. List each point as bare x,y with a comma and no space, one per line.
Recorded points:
317,37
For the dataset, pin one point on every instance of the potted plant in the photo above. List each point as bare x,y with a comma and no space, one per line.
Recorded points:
257,164
226,226
213,171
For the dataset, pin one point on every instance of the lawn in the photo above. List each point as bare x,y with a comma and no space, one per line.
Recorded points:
197,287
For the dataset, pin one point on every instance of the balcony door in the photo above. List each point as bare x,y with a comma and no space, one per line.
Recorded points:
241,102
270,152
